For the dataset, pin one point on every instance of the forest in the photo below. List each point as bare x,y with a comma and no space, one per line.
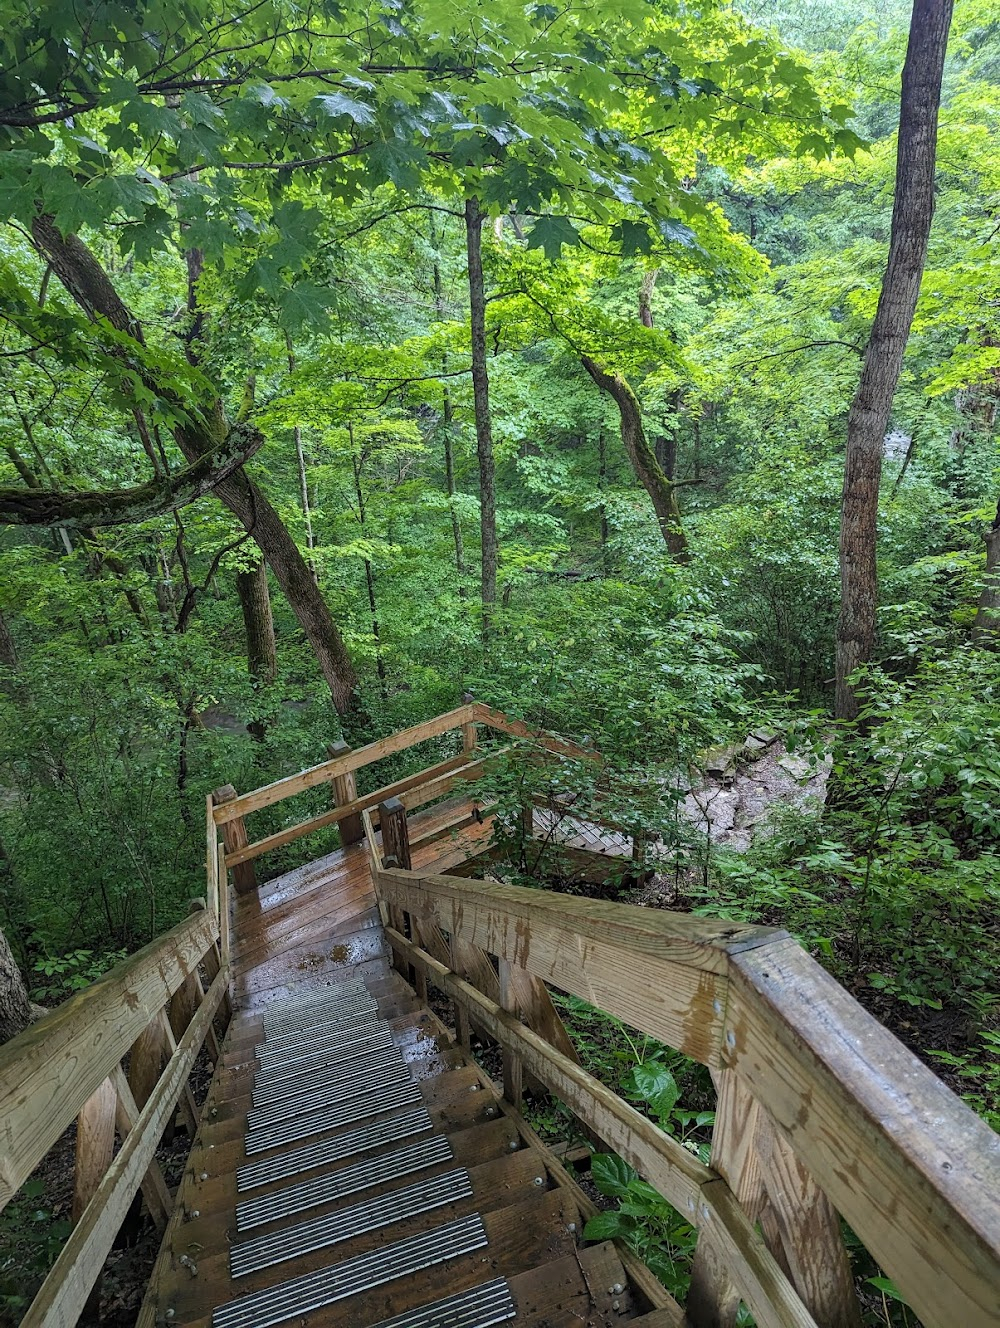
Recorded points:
633,368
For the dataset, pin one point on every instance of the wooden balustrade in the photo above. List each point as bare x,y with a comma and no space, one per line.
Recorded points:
68,1065
230,809
821,1113
821,1110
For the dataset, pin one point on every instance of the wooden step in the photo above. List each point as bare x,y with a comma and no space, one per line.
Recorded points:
519,1238
497,1184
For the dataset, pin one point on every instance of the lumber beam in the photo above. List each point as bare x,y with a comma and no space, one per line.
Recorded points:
50,1070
696,1191
63,1294
353,760
234,836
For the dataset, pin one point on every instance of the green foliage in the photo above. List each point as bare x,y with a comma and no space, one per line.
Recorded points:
30,1240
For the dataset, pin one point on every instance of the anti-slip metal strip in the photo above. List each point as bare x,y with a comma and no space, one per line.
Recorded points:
338,1184
325,1151
320,1007
332,992
352,1277
479,1307
323,1075
305,1097
344,1113
336,991
318,1016
326,1008
373,1042
319,1233
344,1028
324,1071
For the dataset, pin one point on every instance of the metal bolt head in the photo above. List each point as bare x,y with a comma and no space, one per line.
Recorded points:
539,1180
513,1145
616,1305
491,1111
195,1212
617,1289
203,1176
170,1313
570,1226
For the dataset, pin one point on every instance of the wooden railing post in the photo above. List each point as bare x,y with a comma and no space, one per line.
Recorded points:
396,853
800,1226
95,1146
211,858
513,1074
468,730
395,834
224,942
345,789
234,836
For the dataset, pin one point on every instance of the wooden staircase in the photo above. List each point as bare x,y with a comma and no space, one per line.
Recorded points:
353,1165
398,1187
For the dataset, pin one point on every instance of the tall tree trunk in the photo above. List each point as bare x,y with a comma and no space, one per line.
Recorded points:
90,286
481,399
8,654
644,462
913,210
646,296
986,629
447,431
300,461
359,494
258,623
16,1011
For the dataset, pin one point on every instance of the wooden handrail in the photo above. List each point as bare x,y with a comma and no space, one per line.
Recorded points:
342,765
663,973
907,1164
695,1190
441,777
461,718
49,1071
64,1292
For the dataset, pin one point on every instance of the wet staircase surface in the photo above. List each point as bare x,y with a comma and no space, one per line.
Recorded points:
353,1167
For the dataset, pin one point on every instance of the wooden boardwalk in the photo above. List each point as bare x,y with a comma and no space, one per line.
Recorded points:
418,1185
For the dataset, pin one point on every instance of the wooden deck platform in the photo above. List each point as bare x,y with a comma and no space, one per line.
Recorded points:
318,1227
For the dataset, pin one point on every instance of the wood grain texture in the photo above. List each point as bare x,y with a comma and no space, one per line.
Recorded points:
49,1070
907,1164
342,765
692,1188
64,1292
661,974
234,838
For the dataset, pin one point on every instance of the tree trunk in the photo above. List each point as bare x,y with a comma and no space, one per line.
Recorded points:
16,1010
258,621
644,462
448,432
986,629
90,286
481,398
646,296
300,461
8,654
913,210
